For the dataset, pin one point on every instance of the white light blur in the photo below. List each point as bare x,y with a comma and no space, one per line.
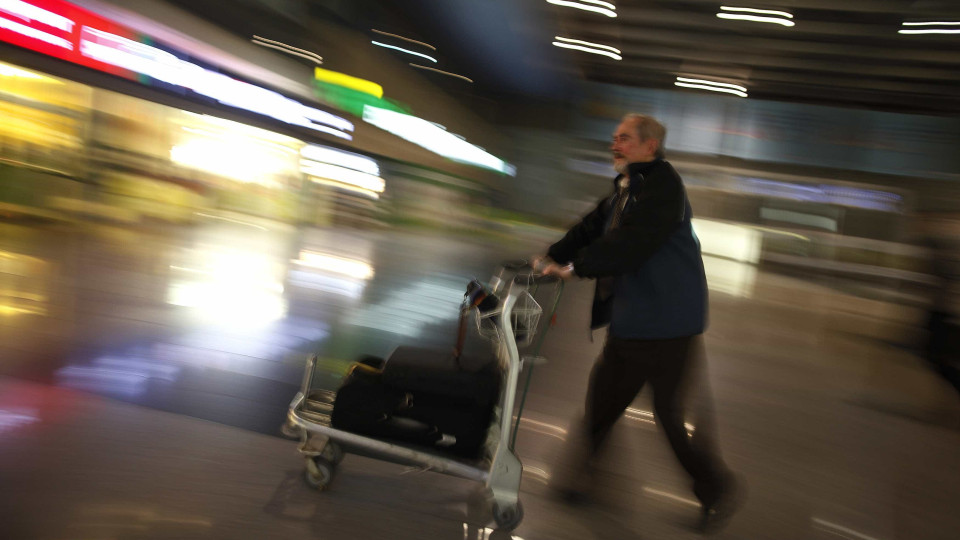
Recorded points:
27,31
16,418
423,133
427,45
585,5
289,49
672,497
589,50
325,154
342,286
6,70
401,49
840,530
758,11
712,83
406,311
347,187
468,79
164,66
344,175
731,253
941,23
31,12
934,31
233,157
588,44
712,88
230,288
338,265
754,18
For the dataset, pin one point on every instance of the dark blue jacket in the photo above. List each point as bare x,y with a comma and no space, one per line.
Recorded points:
659,287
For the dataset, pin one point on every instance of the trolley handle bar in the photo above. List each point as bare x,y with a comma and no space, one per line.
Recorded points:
535,279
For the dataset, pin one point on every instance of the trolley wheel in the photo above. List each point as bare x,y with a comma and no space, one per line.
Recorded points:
332,453
319,472
508,517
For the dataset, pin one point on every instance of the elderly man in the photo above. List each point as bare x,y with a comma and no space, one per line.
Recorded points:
651,289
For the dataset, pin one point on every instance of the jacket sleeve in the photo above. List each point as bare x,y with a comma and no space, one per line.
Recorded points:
580,235
652,218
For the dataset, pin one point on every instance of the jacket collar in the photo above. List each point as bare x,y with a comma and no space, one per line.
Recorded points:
634,170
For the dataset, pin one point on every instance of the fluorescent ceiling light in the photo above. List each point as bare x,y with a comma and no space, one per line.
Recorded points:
713,83
931,23
589,50
758,11
588,44
443,72
712,88
596,6
931,30
401,49
427,45
289,49
423,133
772,20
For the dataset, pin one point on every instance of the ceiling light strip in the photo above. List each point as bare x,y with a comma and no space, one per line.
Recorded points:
932,31
772,20
758,11
315,59
712,88
401,49
931,23
589,50
609,12
714,83
382,33
587,44
443,72
263,41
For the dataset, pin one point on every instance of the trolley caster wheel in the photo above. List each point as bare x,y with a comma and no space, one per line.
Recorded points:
332,453
509,517
319,472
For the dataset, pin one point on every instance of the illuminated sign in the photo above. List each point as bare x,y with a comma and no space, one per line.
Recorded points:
65,31
435,139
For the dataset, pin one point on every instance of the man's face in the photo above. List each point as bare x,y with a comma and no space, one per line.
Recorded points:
627,147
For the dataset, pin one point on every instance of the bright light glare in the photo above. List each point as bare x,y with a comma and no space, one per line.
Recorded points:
401,49
233,157
931,23
759,11
164,66
348,81
338,265
27,31
587,7
589,50
29,12
289,49
425,134
714,83
351,177
7,70
588,44
772,20
349,160
934,31
712,88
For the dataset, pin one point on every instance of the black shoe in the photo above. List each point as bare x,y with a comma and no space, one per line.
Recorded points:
716,516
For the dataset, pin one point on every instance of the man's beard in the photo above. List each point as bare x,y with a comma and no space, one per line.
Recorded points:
621,166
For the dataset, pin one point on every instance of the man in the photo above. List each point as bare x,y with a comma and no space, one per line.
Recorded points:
651,289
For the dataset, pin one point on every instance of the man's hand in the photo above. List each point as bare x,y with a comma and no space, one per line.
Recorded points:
537,262
554,269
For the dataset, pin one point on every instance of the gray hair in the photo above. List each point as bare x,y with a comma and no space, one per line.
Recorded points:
649,128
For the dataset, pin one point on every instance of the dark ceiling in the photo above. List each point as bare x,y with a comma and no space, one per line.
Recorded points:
840,52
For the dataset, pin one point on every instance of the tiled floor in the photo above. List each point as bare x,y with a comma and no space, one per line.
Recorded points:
146,376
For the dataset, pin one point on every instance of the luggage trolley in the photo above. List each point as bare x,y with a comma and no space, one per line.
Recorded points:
513,324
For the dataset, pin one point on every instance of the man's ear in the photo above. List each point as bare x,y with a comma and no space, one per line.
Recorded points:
653,146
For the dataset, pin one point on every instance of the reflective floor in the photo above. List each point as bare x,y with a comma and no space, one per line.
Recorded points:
144,375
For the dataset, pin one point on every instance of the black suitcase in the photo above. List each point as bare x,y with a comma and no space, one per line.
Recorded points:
421,396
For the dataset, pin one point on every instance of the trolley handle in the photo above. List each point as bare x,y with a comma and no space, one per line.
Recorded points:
535,279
